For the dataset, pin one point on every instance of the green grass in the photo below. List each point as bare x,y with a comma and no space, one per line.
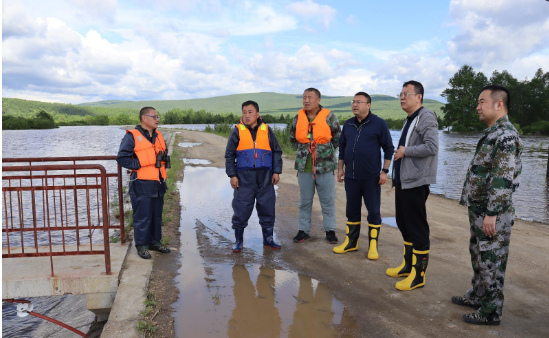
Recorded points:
282,136
272,103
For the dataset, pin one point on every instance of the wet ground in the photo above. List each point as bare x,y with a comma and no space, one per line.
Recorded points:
305,290
253,294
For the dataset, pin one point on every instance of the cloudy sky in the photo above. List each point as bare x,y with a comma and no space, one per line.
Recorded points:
76,51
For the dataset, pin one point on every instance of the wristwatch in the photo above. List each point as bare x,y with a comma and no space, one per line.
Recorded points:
385,170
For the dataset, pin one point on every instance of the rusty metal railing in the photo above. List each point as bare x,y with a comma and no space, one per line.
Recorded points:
54,210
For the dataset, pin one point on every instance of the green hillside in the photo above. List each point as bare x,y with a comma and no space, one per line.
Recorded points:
59,111
382,105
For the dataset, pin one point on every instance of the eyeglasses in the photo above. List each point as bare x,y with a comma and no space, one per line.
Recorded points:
156,117
401,95
358,102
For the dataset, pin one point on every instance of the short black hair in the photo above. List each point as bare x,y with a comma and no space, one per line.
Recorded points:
250,102
368,97
418,87
145,111
317,92
499,92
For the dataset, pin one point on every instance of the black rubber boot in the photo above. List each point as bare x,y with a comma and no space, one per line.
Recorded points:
268,240
351,241
405,268
239,235
416,279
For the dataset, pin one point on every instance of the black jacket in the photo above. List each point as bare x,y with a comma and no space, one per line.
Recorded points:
127,159
252,177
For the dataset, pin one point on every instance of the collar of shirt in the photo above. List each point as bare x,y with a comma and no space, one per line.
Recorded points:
496,125
416,113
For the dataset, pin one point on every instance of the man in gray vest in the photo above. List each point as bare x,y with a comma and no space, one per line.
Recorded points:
414,169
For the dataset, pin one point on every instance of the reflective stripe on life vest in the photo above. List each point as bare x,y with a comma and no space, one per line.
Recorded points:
250,155
146,153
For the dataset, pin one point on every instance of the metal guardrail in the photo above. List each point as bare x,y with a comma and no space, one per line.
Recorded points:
48,208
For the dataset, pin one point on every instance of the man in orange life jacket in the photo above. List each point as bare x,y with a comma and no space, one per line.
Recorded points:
314,133
253,161
138,152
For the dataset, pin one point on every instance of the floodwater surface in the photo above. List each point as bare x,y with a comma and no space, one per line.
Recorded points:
195,161
223,299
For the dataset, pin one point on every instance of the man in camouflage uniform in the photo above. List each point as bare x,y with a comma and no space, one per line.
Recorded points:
314,134
487,192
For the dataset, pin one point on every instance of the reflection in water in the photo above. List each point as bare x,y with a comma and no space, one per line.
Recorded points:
195,161
221,299
188,144
254,316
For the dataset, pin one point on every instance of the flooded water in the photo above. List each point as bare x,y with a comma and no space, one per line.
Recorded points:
390,221
188,144
220,299
64,141
201,127
456,151
195,161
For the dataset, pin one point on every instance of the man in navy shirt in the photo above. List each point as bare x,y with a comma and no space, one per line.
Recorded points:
359,151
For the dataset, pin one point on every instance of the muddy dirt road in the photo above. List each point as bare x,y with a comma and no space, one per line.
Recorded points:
365,300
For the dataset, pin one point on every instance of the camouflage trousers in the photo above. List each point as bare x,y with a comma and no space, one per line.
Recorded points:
489,261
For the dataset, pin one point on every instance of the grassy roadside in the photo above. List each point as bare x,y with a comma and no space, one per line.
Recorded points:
282,136
162,292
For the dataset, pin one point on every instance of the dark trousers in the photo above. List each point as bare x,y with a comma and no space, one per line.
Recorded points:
243,205
368,190
411,215
147,219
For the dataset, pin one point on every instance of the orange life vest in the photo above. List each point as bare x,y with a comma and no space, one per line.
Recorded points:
146,153
318,127
250,154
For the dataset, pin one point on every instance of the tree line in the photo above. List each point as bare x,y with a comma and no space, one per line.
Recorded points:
528,111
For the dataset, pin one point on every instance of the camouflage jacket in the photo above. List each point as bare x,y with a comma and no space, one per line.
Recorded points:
494,171
326,159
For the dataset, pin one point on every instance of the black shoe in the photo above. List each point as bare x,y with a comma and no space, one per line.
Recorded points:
143,252
159,247
475,318
459,300
301,236
331,237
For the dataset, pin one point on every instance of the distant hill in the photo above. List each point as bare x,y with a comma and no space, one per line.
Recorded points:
382,105
28,108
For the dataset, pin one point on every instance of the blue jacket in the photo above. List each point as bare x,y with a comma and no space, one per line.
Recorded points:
252,178
360,146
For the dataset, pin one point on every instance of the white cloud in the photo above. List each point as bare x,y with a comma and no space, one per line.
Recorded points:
495,35
309,9
16,22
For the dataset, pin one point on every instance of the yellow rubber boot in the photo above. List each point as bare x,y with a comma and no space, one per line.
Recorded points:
405,268
351,240
416,279
373,235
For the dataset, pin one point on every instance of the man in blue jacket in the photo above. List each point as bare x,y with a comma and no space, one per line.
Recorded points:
360,145
253,161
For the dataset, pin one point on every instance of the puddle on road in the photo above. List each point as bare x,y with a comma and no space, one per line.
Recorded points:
390,221
188,144
195,161
226,300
